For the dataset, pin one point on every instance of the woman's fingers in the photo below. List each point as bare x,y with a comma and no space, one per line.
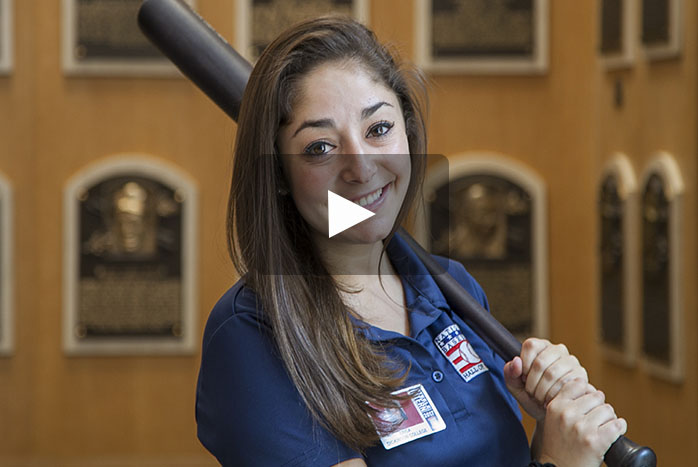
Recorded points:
530,350
608,423
579,426
590,402
546,367
598,428
571,392
556,375
513,376
612,430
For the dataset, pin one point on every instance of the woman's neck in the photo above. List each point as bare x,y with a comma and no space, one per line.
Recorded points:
353,260
371,287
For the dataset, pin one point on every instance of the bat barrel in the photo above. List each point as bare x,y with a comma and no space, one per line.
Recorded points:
197,50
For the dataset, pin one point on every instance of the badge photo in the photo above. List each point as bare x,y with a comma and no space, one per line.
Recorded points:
415,418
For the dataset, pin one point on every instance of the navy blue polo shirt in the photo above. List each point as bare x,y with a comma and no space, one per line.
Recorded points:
249,412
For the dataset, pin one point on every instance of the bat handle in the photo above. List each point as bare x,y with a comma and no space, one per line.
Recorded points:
626,453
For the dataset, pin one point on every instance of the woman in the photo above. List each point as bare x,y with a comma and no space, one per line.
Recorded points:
341,350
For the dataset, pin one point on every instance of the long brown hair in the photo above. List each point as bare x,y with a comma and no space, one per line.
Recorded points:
335,369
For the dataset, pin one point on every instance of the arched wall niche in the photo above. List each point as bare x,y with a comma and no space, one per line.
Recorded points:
493,211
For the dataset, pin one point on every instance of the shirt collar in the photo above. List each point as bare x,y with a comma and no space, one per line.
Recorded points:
423,297
416,279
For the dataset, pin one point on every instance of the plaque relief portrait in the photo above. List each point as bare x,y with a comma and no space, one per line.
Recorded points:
490,233
487,36
130,281
612,252
655,271
101,37
617,261
130,259
260,21
486,214
661,28
661,279
6,26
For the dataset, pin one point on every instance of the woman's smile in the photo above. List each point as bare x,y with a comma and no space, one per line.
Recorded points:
373,200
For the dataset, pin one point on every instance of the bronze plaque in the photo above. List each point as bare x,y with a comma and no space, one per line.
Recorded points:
271,17
656,305
108,30
485,222
130,259
612,27
612,252
656,22
481,28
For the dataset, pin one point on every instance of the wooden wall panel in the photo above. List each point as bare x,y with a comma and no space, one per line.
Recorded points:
17,163
127,410
659,113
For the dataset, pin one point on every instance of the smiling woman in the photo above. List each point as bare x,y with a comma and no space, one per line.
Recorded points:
357,148
343,350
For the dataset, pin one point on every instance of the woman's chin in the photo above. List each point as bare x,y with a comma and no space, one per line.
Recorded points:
364,234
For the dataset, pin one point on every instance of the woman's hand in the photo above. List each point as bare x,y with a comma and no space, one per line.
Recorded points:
538,375
579,427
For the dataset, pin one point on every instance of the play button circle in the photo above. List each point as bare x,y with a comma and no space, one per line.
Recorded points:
343,214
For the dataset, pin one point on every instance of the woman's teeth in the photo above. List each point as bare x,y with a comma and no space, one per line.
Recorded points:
370,198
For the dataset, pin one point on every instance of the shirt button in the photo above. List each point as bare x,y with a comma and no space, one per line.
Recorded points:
437,376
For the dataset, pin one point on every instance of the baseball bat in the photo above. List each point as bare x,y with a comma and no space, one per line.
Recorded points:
221,73
622,453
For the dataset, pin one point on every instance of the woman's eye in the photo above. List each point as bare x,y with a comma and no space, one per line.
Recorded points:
380,129
318,148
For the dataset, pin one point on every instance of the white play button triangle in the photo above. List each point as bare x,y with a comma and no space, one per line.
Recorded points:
343,213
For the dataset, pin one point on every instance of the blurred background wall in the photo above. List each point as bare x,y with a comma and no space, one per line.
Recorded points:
564,125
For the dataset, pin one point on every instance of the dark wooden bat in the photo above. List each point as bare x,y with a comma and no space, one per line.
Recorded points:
222,74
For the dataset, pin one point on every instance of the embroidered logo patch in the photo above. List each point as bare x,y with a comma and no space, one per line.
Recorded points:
453,344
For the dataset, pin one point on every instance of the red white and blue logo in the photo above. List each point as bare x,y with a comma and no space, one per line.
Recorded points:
453,344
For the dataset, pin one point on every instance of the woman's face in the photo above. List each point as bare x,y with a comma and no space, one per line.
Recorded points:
347,135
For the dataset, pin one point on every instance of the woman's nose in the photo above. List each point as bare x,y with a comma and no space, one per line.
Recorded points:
358,168
352,145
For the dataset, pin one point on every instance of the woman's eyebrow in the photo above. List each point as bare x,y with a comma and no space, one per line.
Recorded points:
322,123
329,123
368,111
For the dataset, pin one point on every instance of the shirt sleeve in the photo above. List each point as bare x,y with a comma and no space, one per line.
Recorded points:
247,409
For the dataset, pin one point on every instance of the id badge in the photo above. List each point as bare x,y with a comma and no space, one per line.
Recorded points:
417,417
